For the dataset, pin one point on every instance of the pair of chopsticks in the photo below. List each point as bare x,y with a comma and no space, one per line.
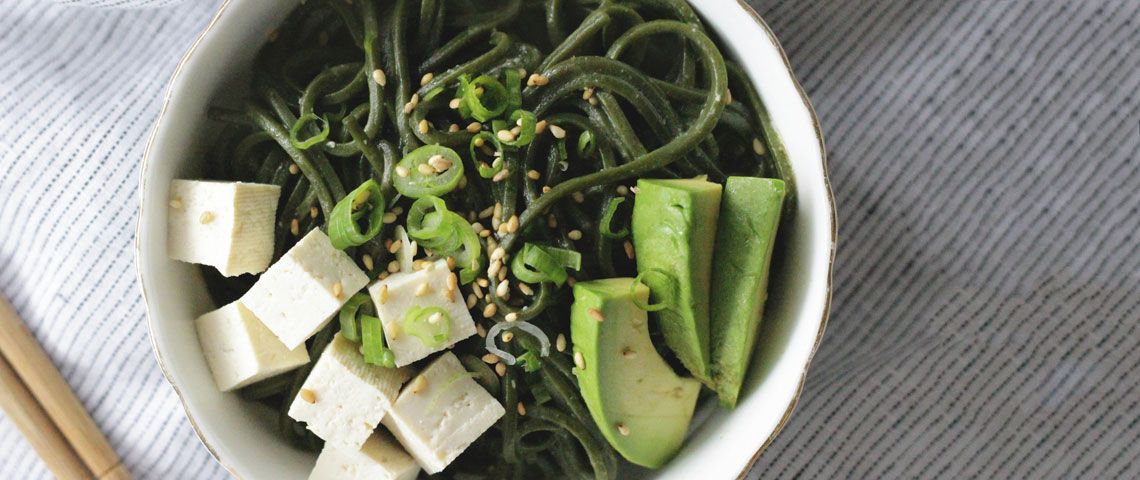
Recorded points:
39,402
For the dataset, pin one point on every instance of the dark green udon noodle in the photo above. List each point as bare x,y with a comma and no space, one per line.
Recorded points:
666,105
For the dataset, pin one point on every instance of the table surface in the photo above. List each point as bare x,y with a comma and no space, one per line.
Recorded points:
987,286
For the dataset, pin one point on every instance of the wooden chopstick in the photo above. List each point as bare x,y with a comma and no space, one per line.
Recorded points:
48,388
23,409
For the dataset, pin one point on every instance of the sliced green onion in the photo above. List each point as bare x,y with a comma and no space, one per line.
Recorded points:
432,325
605,227
512,80
446,233
664,282
300,125
527,124
422,176
366,203
490,104
372,343
486,171
433,93
357,305
530,361
586,144
540,263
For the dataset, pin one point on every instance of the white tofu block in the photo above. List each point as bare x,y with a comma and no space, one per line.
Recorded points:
227,225
344,398
437,418
401,296
381,458
300,293
240,350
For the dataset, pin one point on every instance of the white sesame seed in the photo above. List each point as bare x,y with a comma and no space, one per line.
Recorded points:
419,384
490,310
423,289
453,128
206,217
503,289
628,353
367,259
635,190
426,78
379,77
578,197
439,163
500,369
382,296
524,288
494,268
498,254
491,359
389,218
474,127
337,290
575,234
587,93
294,169
758,147
579,361
629,253
558,132
425,169
313,212
393,266
622,429
622,190
435,318
513,224
295,227
727,96
454,104
483,282
540,127
424,126
560,343
596,314
411,105
522,409
471,301
505,135
502,175
480,330
487,212
508,336
533,175
308,395
546,189
511,317
402,171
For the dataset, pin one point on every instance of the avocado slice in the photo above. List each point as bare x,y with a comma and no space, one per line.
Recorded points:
641,406
674,230
746,233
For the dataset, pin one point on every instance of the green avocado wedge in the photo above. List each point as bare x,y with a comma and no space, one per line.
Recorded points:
746,234
640,405
674,231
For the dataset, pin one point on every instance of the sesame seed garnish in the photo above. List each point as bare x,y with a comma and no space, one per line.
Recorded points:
482,282
498,210
533,175
578,197
471,301
575,234
500,369
474,127
206,217
491,359
338,290
423,289
516,131
482,332
435,318
622,429
508,336
393,330
513,224
505,135
487,212
628,353
453,128
522,72
379,77
503,289
758,147
395,246
579,361
419,384
593,100
313,212
389,218
382,296
503,274
587,93
294,169
502,175
411,105
629,253
493,269
490,310
424,126
454,104
558,132
393,266
560,343
622,190
511,317
485,233
525,289
522,409
498,253
727,96
540,127
537,80
425,169
596,314
402,171
367,259
176,204
546,189
426,78
308,395
295,227
383,275
635,190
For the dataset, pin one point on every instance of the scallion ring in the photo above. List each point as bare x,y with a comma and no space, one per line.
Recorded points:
365,203
299,126
432,325
664,283
483,98
606,225
539,263
372,343
428,170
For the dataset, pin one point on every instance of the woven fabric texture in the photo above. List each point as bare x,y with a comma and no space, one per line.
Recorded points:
987,286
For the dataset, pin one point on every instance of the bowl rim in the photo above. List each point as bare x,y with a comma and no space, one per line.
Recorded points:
830,196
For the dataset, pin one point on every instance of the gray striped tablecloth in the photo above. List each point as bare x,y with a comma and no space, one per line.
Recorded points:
984,159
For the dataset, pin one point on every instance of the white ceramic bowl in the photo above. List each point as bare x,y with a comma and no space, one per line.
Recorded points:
723,444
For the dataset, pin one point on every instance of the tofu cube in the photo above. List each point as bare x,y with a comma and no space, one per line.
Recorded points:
344,398
381,458
227,225
440,412
240,350
300,293
397,293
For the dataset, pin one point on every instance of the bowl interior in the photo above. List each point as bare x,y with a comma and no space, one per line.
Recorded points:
242,435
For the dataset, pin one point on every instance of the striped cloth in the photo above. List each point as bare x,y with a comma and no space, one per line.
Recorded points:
987,289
